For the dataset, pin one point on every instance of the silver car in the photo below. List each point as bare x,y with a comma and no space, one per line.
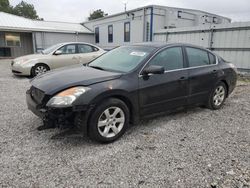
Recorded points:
56,56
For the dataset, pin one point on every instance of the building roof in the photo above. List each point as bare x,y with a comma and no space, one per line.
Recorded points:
155,6
17,23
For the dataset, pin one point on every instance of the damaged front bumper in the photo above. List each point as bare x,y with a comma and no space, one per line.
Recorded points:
60,117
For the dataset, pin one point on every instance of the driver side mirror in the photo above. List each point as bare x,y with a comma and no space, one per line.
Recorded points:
58,52
153,69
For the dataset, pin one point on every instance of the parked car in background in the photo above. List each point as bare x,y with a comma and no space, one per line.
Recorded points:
56,56
130,83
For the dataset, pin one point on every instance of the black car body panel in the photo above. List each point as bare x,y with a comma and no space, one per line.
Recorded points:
144,94
57,80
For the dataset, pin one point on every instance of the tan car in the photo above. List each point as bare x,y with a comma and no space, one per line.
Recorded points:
56,56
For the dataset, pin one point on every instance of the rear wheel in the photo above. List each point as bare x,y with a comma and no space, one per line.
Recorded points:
109,121
217,96
39,69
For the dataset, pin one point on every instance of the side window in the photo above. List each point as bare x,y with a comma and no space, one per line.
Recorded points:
68,49
82,48
212,58
95,49
170,59
197,57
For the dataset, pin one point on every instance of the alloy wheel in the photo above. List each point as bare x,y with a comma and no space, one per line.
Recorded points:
40,69
219,95
111,122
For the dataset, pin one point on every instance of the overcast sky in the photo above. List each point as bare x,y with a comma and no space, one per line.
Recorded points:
78,10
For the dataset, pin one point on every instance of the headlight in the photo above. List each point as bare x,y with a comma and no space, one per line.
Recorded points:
67,97
22,61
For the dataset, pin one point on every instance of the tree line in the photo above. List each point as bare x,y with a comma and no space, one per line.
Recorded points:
23,9
27,10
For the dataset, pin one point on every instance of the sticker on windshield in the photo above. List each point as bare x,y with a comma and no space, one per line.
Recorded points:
140,54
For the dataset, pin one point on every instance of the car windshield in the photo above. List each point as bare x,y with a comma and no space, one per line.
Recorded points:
51,49
122,59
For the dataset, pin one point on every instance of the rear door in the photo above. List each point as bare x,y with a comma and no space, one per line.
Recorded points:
202,73
87,53
162,92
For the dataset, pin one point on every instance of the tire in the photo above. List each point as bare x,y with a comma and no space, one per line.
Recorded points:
217,96
104,126
39,69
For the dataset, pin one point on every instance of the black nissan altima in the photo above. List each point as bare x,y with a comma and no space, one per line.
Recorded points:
130,83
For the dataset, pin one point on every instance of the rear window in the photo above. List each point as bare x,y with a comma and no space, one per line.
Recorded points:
197,57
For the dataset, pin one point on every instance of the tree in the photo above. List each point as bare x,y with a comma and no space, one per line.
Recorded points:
5,6
25,10
22,9
96,14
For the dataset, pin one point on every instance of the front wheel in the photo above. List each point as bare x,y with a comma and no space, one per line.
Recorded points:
39,69
109,121
217,96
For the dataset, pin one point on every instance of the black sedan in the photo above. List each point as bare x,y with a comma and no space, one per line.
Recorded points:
130,83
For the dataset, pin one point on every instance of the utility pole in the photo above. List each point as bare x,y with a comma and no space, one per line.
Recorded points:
125,5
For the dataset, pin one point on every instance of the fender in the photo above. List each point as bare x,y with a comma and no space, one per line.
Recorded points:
128,98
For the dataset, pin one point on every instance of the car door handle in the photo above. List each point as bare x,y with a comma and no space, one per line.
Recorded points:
214,71
183,78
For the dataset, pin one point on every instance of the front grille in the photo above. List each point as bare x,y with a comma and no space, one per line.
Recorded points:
37,95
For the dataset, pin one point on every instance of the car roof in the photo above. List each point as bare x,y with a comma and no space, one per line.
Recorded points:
65,43
164,44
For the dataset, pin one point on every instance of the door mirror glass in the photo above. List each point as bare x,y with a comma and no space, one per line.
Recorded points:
58,52
153,69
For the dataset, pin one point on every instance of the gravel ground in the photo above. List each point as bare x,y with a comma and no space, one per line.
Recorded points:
198,148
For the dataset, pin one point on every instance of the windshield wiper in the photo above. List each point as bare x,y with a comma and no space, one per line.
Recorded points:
96,67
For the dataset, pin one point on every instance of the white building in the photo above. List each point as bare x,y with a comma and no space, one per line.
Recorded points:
20,36
139,25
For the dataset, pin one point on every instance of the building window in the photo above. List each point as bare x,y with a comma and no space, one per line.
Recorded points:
147,31
127,32
110,33
13,40
97,35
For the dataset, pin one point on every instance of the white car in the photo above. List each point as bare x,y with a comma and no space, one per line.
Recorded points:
56,56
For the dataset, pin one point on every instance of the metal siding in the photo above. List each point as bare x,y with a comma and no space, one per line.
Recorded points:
160,38
2,40
163,17
45,39
230,41
26,46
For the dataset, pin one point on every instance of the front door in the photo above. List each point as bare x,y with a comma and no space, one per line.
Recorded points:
66,58
162,92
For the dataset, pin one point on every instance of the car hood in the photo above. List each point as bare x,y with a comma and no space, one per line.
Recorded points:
60,79
29,57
